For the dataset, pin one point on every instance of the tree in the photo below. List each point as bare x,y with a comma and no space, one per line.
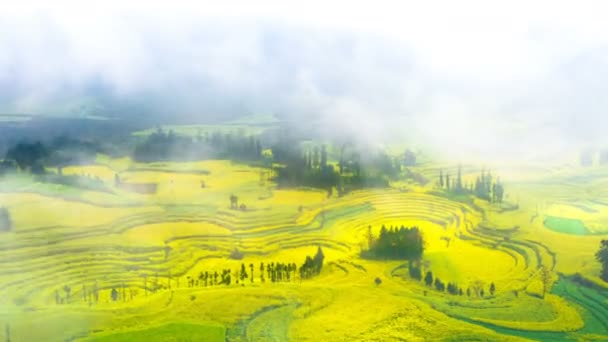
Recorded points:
378,281
428,278
447,182
414,269
251,269
602,257
262,272
477,287
459,179
409,158
243,274
234,202
114,294
318,260
439,285
441,178
323,157
5,220
370,237
67,290
492,289
546,278
315,157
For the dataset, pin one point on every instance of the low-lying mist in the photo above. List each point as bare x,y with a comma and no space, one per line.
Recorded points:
504,85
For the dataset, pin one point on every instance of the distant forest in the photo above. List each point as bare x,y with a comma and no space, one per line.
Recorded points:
287,162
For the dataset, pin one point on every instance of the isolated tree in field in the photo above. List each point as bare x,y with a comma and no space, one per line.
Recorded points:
67,290
602,257
492,289
378,281
114,295
428,278
251,270
447,182
234,202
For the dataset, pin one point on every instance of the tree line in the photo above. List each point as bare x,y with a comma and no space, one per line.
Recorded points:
477,288
395,243
272,272
310,167
167,146
485,186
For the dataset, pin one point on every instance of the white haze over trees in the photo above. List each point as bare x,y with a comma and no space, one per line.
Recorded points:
470,77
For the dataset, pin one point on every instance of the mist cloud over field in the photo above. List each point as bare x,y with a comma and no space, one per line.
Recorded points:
471,77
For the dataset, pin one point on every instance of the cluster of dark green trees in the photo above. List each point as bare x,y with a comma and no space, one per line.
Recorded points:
395,243
484,187
477,288
312,265
61,151
165,146
602,257
311,168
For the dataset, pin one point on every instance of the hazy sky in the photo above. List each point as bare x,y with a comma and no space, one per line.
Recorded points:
449,73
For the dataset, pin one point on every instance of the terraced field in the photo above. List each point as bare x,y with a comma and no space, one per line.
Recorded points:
70,248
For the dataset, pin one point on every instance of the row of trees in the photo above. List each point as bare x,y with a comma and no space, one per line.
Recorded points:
395,243
273,272
484,187
477,288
